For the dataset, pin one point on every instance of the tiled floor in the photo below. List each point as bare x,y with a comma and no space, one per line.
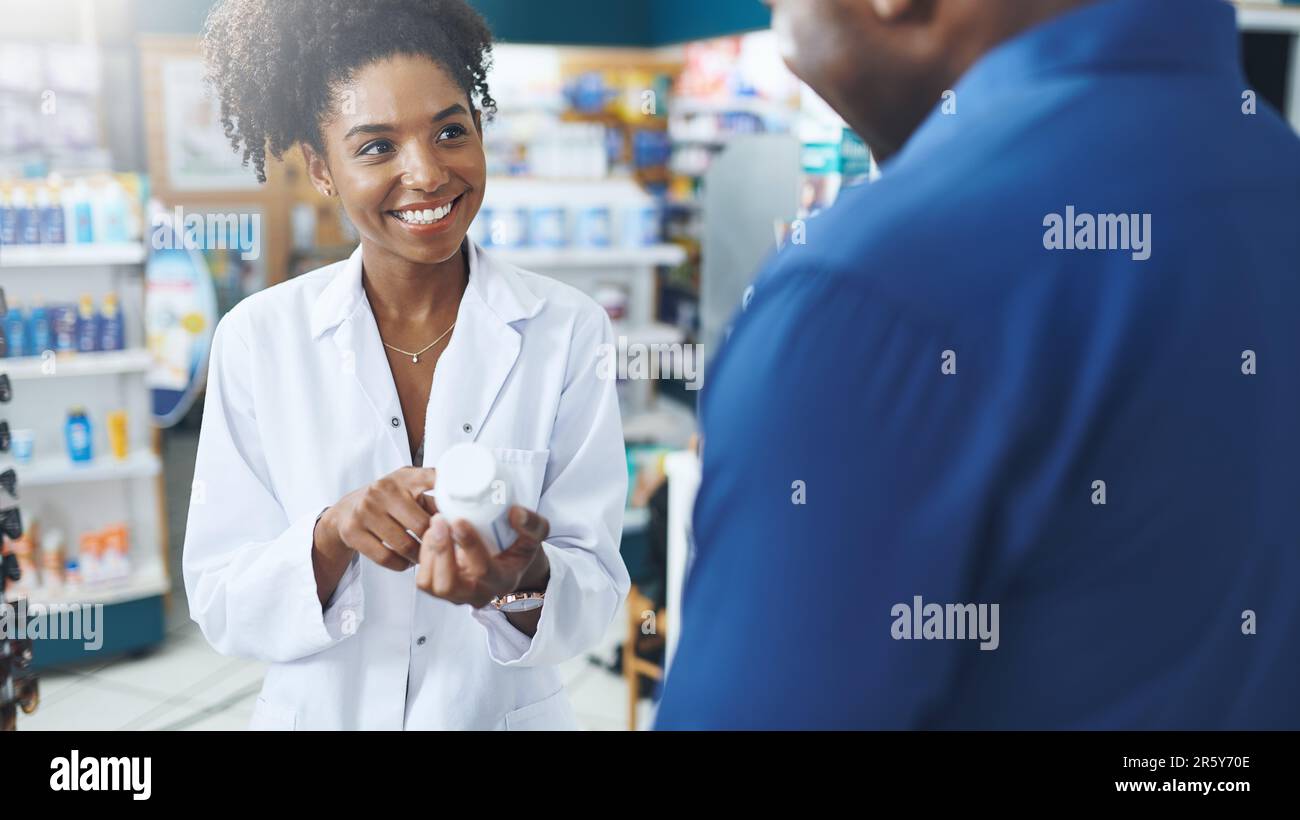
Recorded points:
185,684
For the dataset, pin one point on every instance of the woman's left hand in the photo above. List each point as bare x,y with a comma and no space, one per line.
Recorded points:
457,566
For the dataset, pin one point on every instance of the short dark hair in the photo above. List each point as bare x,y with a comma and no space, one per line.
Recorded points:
275,64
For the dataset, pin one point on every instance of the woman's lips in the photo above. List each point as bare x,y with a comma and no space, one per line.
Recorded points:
426,228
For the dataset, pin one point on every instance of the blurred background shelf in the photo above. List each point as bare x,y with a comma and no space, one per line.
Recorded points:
54,470
1259,16
69,256
79,364
145,583
549,258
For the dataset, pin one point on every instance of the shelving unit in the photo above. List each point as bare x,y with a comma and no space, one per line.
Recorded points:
1257,16
62,256
74,497
65,365
591,258
47,471
139,586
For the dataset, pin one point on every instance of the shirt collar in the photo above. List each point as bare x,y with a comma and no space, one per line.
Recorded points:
496,284
1164,36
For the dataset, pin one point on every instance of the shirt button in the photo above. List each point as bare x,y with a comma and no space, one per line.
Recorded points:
397,422
467,427
421,641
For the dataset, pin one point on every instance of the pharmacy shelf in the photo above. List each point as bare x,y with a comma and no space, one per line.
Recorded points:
551,258
51,471
141,584
635,520
678,106
1258,16
668,423
71,256
78,364
651,333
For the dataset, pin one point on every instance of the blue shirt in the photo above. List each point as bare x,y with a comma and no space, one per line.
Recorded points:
927,402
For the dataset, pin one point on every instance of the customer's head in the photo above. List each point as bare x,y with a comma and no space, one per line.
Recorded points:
884,64
384,98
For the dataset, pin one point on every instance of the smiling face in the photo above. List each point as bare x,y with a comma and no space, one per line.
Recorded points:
404,153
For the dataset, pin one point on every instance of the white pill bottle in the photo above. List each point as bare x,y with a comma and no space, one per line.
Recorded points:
472,486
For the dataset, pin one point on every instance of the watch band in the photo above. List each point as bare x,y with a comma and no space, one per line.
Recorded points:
519,601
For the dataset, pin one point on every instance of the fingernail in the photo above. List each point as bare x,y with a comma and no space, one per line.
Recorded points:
519,516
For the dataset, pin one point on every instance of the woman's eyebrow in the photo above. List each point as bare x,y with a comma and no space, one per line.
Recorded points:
449,111
369,128
385,128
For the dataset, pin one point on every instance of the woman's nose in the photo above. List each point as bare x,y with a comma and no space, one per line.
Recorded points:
423,171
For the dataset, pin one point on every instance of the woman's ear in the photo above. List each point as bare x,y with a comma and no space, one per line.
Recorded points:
317,170
478,122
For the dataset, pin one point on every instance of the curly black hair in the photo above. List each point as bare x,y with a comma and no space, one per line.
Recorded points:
276,65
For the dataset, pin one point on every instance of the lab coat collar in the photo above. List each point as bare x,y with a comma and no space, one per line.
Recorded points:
497,284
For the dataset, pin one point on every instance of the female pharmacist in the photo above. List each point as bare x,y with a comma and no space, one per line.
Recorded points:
310,542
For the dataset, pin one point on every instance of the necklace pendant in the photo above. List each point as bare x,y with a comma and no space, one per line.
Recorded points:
415,359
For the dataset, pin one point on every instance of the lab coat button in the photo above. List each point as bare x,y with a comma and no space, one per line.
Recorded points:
421,641
467,427
397,422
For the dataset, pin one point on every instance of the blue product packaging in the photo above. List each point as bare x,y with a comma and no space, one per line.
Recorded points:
110,324
640,226
593,228
8,221
63,327
50,223
77,431
87,326
480,229
26,221
41,333
15,329
547,227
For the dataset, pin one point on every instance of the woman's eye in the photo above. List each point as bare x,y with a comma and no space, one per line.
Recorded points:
452,132
375,148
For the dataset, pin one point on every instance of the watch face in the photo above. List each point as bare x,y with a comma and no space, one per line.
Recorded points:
522,605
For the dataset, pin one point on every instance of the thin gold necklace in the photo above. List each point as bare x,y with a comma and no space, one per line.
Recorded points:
415,357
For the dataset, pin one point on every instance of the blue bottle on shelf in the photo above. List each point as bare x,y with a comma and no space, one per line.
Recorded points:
110,324
27,221
87,325
49,214
78,216
78,435
15,327
39,339
8,219
63,327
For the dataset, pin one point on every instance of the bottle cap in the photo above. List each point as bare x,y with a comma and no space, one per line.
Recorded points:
466,472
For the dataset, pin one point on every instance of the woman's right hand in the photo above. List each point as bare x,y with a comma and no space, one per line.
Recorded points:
374,520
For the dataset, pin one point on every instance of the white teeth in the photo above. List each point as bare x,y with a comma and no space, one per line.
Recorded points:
426,216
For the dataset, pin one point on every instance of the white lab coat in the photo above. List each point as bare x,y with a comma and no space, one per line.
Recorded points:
301,409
